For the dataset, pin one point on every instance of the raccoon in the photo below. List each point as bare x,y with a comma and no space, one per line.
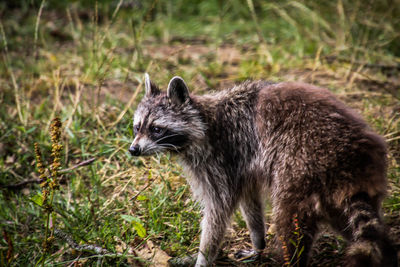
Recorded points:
315,158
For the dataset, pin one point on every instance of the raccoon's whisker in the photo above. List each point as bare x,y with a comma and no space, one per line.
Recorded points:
164,137
152,147
169,145
149,148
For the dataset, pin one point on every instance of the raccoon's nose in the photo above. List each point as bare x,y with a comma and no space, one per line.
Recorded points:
135,150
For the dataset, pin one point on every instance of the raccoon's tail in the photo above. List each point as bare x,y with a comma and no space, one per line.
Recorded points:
370,244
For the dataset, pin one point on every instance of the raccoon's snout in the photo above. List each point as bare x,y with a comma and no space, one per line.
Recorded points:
135,150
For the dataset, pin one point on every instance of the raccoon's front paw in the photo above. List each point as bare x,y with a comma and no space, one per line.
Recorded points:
251,255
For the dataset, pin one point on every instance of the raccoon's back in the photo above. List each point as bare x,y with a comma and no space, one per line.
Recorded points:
314,135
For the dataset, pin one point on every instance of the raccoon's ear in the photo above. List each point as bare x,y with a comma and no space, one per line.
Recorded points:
177,91
151,88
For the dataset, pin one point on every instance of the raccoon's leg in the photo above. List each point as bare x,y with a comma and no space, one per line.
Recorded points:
370,244
213,226
251,208
295,232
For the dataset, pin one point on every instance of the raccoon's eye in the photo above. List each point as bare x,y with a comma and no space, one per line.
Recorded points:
156,130
136,129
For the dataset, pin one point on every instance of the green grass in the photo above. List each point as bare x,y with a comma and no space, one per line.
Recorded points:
91,57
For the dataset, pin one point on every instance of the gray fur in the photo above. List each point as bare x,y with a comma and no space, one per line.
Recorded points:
314,156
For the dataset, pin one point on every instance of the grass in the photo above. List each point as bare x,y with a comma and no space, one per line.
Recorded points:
84,63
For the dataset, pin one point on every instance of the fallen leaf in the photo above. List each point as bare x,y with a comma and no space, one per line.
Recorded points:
153,254
10,159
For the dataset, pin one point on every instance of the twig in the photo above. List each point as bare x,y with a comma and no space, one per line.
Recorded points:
183,261
97,250
38,181
141,191
83,163
21,184
86,247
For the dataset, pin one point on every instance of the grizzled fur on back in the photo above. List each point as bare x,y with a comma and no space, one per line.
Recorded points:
315,158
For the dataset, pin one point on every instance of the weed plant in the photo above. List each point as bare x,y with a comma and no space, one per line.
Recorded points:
49,184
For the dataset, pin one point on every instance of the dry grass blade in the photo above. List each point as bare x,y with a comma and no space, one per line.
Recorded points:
256,24
128,106
22,184
6,62
37,28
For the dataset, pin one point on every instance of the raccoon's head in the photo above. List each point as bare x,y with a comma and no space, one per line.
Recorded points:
165,121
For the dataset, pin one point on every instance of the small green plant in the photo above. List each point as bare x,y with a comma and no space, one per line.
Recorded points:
49,185
293,260
286,255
